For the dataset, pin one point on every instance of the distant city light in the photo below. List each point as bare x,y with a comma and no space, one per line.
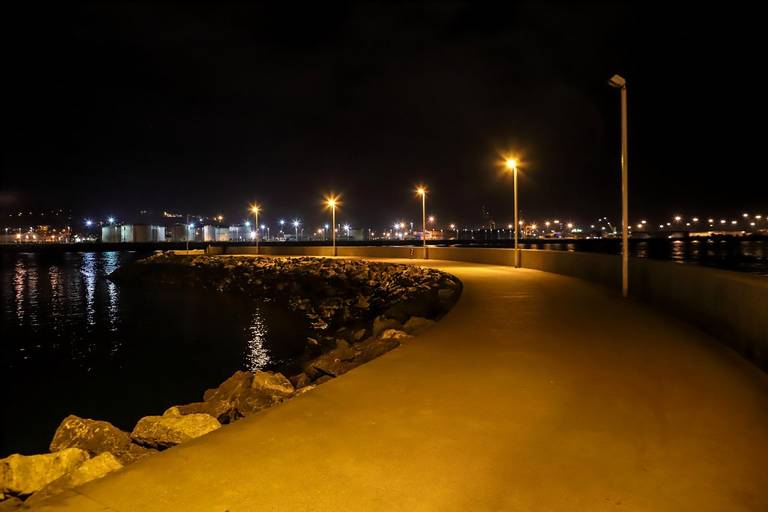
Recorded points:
281,222
89,222
247,223
111,220
678,218
431,218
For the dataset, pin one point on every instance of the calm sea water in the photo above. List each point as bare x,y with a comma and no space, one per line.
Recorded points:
73,342
743,255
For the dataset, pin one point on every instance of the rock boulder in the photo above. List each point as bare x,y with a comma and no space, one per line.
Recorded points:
93,436
91,469
382,323
25,474
166,431
417,324
272,383
394,334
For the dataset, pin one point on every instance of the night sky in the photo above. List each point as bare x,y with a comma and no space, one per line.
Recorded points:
111,109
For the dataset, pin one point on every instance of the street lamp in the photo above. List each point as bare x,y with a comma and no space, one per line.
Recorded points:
296,224
512,166
422,191
331,202
256,209
620,83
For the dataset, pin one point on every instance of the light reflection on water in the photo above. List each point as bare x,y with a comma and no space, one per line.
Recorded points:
257,355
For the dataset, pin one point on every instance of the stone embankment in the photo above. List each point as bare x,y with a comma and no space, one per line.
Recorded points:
355,310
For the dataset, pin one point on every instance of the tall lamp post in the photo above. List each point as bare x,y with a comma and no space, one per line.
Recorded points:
422,191
620,83
331,202
512,166
256,209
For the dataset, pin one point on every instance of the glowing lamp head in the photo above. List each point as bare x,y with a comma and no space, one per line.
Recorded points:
422,191
89,223
296,223
111,220
255,209
511,164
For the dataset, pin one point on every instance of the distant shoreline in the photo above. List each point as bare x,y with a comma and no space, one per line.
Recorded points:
593,244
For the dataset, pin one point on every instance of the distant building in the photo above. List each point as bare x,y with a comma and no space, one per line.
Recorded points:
239,233
142,233
180,233
110,234
215,234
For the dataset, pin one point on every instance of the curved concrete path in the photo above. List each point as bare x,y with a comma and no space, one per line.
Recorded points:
538,392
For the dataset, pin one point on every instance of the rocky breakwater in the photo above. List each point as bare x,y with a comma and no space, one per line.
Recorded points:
355,310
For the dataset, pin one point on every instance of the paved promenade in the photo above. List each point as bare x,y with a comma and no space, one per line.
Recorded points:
538,392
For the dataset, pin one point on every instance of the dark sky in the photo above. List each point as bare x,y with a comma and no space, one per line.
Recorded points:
112,108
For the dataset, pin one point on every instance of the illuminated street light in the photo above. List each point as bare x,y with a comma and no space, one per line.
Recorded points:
331,202
296,223
111,220
88,222
620,83
422,191
511,164
256,209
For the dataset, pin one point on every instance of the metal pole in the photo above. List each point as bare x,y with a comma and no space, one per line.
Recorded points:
424,223
187,237
333,227
517,224
624,197
258,231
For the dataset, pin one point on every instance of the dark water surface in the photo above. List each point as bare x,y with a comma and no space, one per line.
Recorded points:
73,342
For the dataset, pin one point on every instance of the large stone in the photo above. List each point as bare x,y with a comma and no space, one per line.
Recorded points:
166,431
300,380
222,410
417,324
93,436
394,334
232,387
253,401
25,474
92,469
373,348
134,453
274,383
334,363
382,323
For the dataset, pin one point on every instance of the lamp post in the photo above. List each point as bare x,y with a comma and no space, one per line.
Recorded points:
422,191
512,166
256,209
620,83
331,202
296,228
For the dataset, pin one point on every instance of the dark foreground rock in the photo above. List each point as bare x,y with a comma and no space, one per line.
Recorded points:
25,474
96,437
170,430
89,470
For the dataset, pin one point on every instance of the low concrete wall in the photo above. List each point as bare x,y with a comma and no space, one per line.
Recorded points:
731,306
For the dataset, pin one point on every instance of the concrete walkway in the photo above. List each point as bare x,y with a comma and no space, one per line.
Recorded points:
538,392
